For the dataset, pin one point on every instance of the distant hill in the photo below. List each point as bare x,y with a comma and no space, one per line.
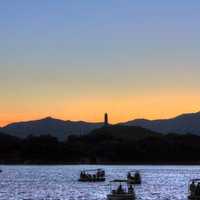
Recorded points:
186,123
6,139
50,126
113,144
127,133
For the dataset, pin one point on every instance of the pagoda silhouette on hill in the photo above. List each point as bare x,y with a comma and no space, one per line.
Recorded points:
106,123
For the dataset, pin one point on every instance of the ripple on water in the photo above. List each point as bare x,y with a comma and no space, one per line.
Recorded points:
60,182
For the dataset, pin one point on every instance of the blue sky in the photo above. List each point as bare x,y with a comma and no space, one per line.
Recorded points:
58,53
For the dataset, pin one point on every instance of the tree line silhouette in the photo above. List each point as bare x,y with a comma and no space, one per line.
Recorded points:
107,145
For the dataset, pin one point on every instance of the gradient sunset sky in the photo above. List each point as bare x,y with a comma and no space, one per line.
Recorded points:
78,59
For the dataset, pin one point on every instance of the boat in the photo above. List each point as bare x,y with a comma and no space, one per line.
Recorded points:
194,189
134,177
122,191
92,175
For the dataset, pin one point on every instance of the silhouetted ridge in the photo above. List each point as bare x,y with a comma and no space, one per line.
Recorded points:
50,126
182,124
125,132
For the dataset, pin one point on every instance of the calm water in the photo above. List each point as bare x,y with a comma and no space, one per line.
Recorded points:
60,182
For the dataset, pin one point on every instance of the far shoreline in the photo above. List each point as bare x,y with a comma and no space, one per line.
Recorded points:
105,164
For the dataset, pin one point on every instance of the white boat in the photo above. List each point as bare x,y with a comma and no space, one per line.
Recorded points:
122,191
194,189
92,175
134,177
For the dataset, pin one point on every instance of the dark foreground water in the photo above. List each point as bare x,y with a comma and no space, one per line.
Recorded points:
60,182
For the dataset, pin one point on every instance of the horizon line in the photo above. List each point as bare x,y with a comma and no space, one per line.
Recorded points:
86,121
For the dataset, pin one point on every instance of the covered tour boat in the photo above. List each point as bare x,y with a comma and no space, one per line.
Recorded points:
134,177
122,190
194,189
92,175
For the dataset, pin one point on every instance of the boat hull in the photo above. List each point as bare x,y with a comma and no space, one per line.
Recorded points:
194,197
134,182
120,197
92,180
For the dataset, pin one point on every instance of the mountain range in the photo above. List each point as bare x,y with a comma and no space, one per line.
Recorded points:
50,126
182,124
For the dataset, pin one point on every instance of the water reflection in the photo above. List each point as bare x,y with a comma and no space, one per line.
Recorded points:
60,182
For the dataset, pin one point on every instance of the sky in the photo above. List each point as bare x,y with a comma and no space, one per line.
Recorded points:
79,59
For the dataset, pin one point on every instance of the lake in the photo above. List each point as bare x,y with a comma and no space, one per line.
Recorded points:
60,182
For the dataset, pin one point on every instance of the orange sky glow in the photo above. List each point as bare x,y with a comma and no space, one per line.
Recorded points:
119,109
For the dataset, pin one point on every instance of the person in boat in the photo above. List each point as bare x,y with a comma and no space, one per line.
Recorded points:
197,192
137,175
82,175
193,188
129,175
130,189
89,176
103,173
98,173
120,190
94,177
99,176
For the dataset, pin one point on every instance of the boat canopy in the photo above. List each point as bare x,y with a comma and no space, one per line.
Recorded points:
92,170
195,180
133,171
